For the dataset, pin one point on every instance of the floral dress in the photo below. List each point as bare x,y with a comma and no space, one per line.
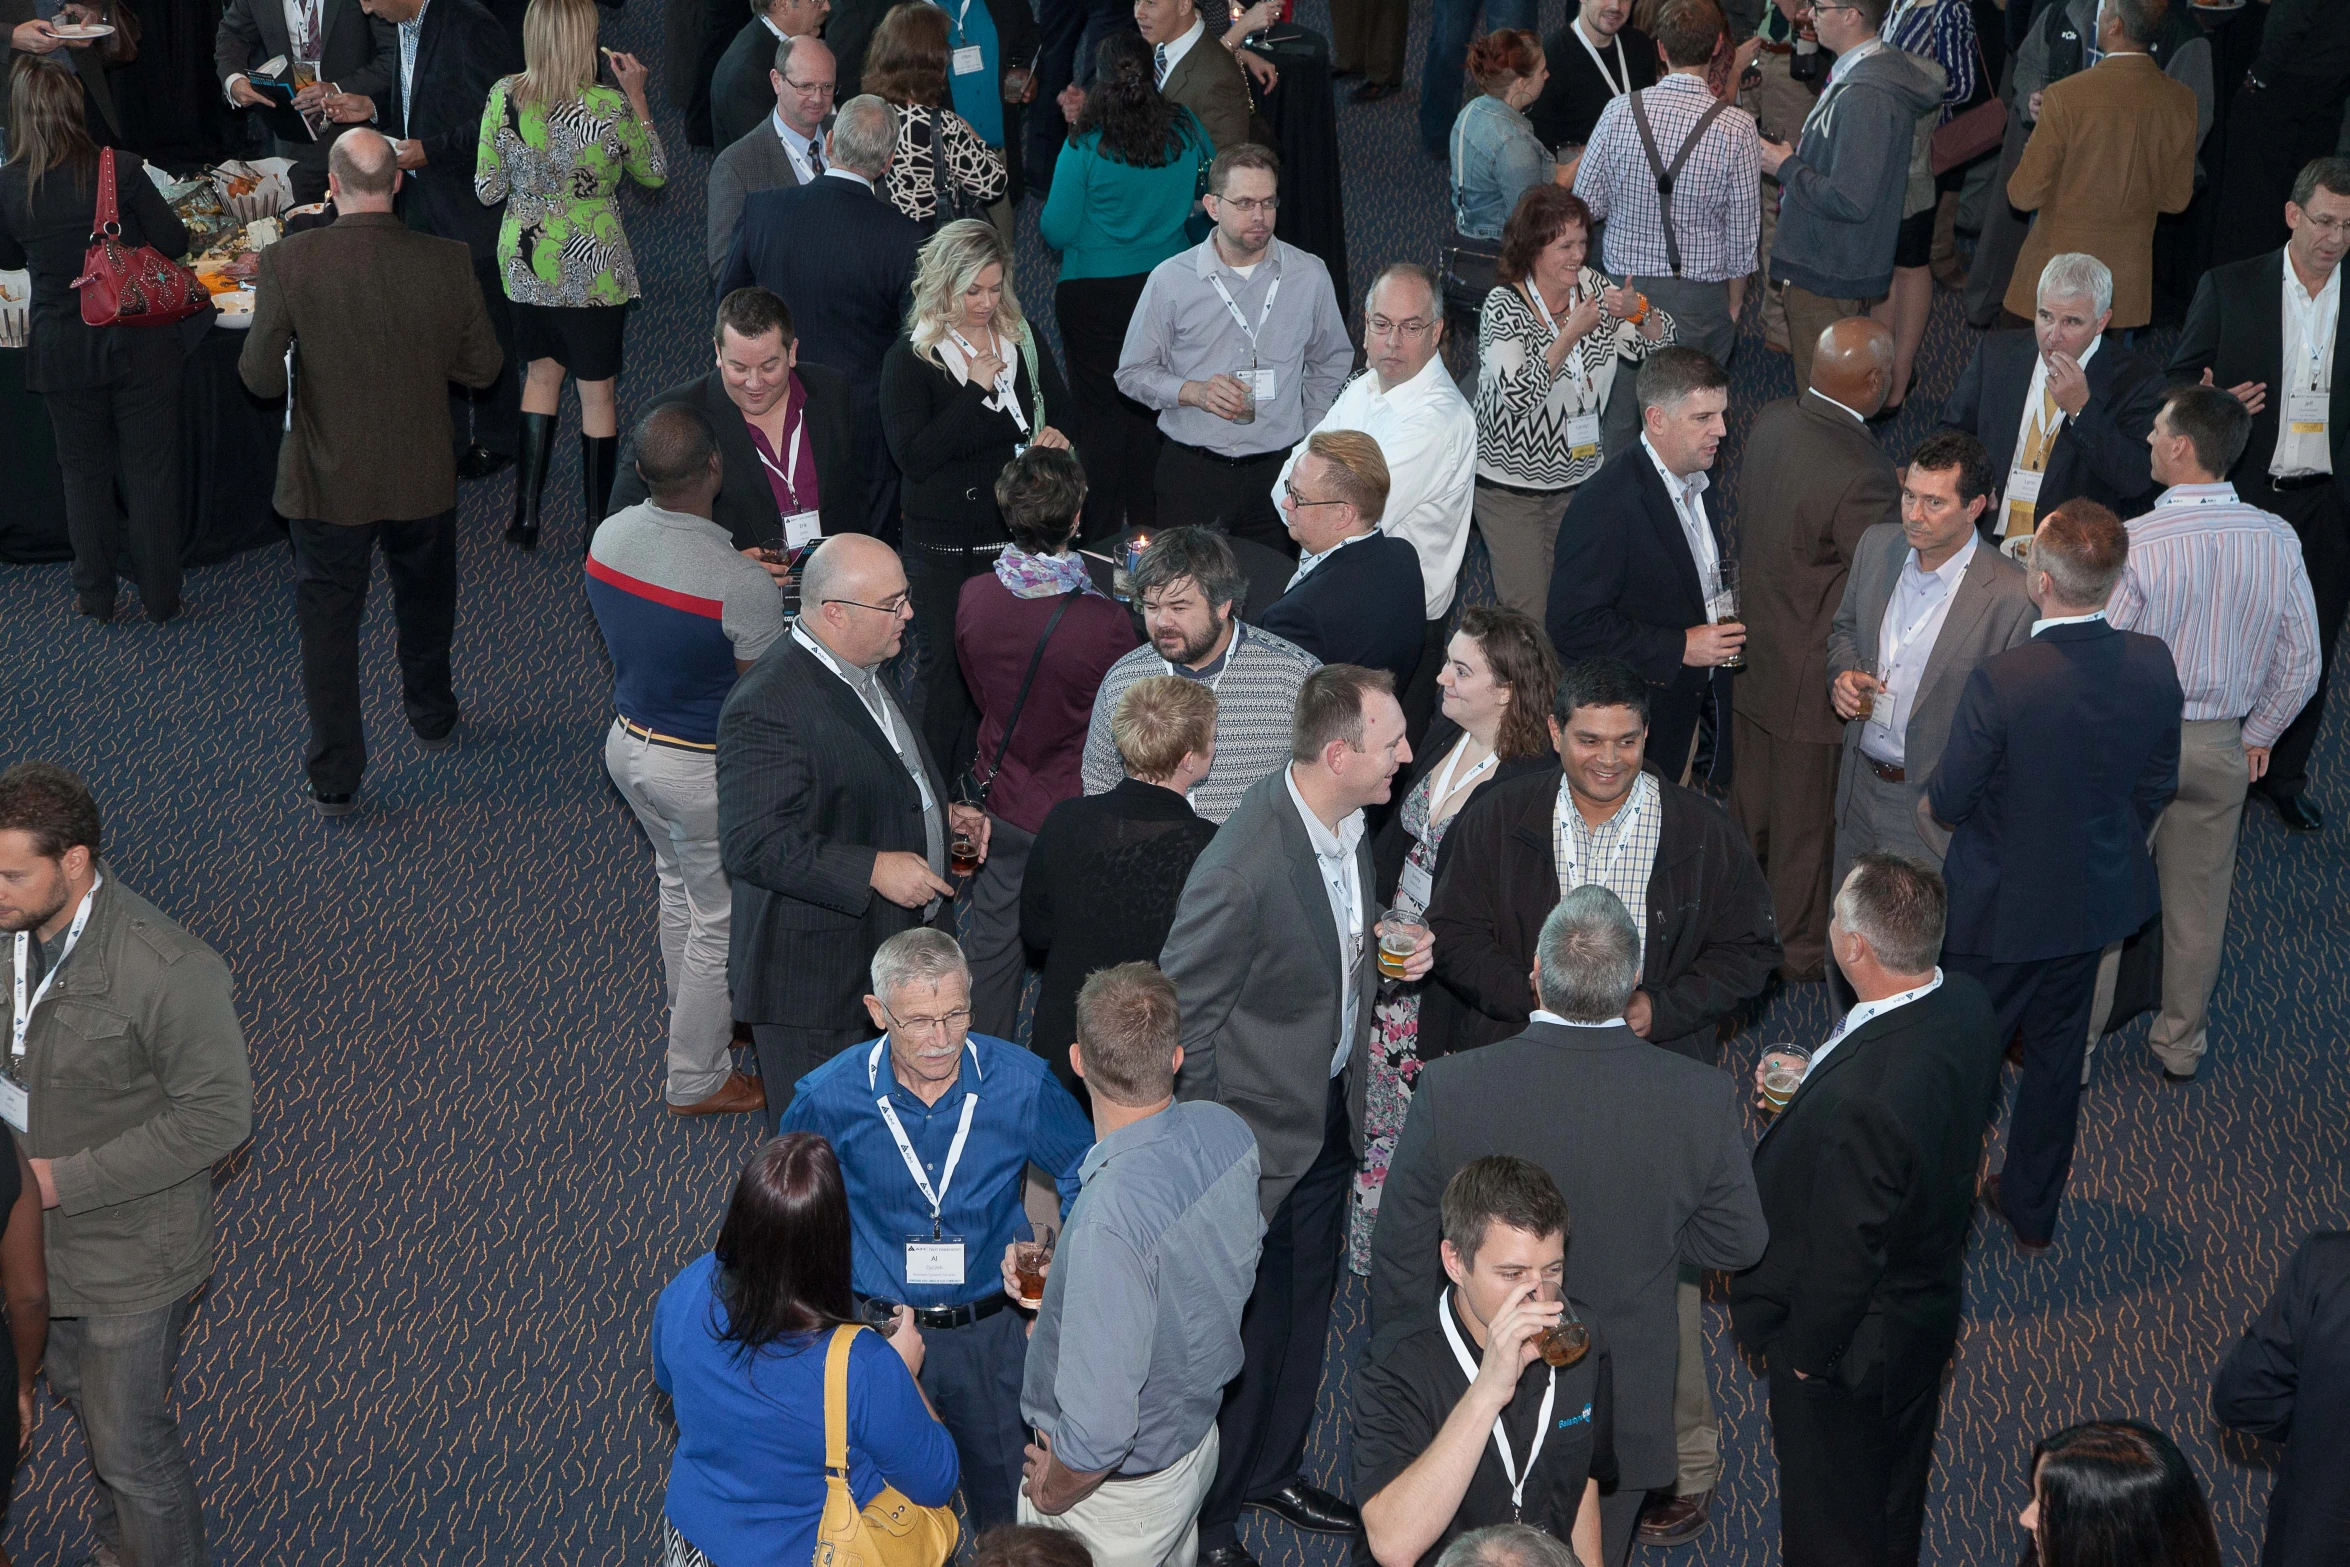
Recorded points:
558,170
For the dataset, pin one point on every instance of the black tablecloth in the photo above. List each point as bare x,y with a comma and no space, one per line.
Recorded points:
1304,121
228,442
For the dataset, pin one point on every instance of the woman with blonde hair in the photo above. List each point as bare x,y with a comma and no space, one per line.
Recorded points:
966,390
910,66
555,145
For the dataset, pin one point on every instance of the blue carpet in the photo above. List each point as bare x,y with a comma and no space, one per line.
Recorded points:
426,1338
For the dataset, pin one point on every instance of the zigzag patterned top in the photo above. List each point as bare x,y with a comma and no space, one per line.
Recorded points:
1522,409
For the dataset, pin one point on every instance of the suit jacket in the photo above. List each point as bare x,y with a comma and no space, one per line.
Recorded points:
2114,149
755,161
2289,1381
357,52
385,318
1624,584
1210,83
1868,1182
2101,454
1989,613
745,506
1254,954
2236,330
740,94
2061,755
1710,944
809,792
461,51
1814,481
1358,607
107,130
1650,1153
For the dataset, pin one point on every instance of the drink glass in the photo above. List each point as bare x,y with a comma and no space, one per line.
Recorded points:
1866,668
1031,1262
963,854
1399,938
1565,1341
1248,392
1783,1070
1725,607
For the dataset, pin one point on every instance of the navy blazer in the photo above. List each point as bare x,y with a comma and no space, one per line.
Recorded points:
2101,454
460,54
843,260
2289,1381
2062,754
1364,605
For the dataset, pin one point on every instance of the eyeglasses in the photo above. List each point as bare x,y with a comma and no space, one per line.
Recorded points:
895,604
1289,491
817,89
1248,206
1380,326
2333,228
954,1022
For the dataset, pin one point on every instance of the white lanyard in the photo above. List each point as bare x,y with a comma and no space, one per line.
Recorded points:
2307,316
897,1129
791,459
1441,790
1238,632
24,957
1006,399
961,12
1582,375
1263,316
1501,1440
880,713
1591,49
1568,816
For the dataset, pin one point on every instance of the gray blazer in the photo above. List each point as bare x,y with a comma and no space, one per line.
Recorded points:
1990,614
1254,956
755,162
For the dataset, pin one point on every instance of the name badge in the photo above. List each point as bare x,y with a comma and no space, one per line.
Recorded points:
15,1106
1258,381
1416,884
933,1262
967,61
1583,435
2306,412
802,528
2023,498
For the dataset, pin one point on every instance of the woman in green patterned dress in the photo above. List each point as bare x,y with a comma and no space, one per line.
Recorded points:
554,145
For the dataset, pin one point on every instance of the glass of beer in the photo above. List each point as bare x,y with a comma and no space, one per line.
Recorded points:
1031,1262
1399,938
1783,1069
963,853
1866,668
1248,392
1725,607
1565,1341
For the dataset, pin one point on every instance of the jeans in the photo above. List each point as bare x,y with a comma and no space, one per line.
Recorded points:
675,796
330,599
1452,26
116,1373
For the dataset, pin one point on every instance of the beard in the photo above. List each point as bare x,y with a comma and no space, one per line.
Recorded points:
11,921
1192,648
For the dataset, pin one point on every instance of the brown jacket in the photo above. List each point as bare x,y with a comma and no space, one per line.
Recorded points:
2115,147
1211,84
386,318
1814,481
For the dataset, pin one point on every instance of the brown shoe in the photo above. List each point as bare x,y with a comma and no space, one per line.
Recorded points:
737,1093
1988,1194
1676,1520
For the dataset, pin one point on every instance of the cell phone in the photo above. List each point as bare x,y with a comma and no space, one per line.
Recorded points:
1750,78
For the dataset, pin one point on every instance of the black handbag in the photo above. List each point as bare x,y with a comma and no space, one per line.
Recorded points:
951,202
970,788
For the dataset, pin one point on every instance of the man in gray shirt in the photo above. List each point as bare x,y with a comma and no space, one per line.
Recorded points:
1239,343
1139,1329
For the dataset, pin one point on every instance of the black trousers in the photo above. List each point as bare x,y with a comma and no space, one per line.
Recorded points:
788,1053
2322,521
1197,489
1852,1475
2050,1001
1118,436
939,559
972,1374
128,433
1068,32
1269,1407
331,562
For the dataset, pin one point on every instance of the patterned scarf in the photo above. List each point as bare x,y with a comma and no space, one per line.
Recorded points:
1042,576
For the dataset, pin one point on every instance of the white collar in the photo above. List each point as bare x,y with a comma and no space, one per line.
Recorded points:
2190,495
2041,625
834,171
1689,487
1544,1015
1328,845
1869,1011
1418,389
768,22
1953,568
1852,57
2331,287
1308,561
1177,48
1831,402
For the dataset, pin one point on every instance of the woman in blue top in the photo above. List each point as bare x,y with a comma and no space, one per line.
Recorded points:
1121,192
739,1340
1496,158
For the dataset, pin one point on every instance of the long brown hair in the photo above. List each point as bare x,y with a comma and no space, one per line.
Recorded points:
1520,657
46,129
907,61
783,1253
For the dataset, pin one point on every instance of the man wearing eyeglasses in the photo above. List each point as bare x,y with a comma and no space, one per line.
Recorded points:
1355,597
832,815
782,146
935,1128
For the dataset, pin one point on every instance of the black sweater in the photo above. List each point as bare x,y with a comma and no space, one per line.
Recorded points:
47,234
950,447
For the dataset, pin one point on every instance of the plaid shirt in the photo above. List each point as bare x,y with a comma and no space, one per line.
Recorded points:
1717,197
1619,854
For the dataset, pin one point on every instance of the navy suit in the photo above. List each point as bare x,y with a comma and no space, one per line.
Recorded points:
1364,605
2289,1381
2062,754
2100,454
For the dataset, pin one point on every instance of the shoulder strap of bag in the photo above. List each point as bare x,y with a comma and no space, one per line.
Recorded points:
939,212
1035,660
108,216
836,1402
1666,175
1035,379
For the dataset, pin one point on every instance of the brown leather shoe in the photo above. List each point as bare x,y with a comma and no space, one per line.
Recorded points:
737,1093
1676,1520
1988,1193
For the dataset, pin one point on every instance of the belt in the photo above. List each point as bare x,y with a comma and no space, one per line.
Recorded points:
1248,461
1885,770
960,1316
1484,483
655,737
2300,481
1147,1474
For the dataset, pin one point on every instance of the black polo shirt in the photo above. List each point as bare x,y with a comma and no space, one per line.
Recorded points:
1572,99
1403,1400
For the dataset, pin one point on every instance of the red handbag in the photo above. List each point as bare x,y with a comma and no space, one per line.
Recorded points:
125,287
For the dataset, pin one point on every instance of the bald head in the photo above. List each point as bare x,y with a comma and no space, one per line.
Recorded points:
853,598
1854,364
363,171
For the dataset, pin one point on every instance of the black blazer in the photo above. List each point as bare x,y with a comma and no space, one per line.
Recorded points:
2236,330
1868,1182
1624,583
740,94
1390,843
461,52
2063,752
2289,1381
1364,605
848,294
949,445
1650,1152
358,53
2102,454
808,792
745,506
48,238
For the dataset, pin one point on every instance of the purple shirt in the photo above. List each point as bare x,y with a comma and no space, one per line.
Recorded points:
795,487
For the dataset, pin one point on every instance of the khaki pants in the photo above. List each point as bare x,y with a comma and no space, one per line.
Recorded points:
1808,315
2195,857
1149,1522
1521,535
1697,1430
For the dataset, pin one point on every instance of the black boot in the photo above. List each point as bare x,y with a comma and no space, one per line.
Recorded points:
530,478
599,464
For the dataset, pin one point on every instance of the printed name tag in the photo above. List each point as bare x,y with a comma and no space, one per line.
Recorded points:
1258,381
1583,435
802,528
934,1262
2306,412
1416,884
968,61
2023,498
15,1106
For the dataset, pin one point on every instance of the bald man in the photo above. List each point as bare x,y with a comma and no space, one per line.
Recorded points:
1814,481
833,819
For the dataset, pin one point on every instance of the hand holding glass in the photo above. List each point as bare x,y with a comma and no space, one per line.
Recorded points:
1779,1074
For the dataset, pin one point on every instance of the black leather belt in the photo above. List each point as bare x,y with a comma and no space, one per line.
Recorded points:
1251,460
2300,481
960,1316
1885,770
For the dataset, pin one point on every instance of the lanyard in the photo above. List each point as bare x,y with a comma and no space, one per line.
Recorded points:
1238,632
1441,790
897,1129
1263,316
1582,372
1626,819
1501,1440
24,958
961,12
880,711
1591,49
791,460
1007,400
2308,311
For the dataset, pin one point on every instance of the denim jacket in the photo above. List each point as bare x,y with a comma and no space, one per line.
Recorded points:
1495,157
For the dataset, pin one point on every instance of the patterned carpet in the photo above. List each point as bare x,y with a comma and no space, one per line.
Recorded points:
426,1339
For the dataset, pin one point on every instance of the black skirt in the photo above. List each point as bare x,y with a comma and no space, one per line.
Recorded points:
583,339
1913,242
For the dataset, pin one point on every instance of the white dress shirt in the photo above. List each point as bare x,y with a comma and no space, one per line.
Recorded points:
833,171
1688,505
1306,562
1545,1015
2310,325
306,39
1866,1012
1905,645
2039,626
1177,48
1831,402
1428,434
1334,857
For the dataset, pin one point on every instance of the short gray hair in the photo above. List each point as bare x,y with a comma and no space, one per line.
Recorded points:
863,133
921,954
1898,907
1589,956
1506,1545
2074,275
1416,273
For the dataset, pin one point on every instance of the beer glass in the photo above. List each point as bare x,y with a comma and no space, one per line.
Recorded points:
963,854
1399,938
1565,1341
1783,1071
1725,607
1248,392
1866,667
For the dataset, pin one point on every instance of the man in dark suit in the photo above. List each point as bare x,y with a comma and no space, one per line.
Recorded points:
2289,1381
385,318
832,816
1867,1181
2062,410
783,147
1638,567
1815,480
732,93
2238,336
1356,593
1649,1151
783,429
848,294
2046,858
356,53
1274,955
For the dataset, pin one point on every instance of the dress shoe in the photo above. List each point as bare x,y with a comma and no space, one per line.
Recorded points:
1676,1520
2170,1076
101,610
2299,813
1372,92
436,743
1343,72
1989,1193
1311,1508
1226,1556
737,1093
479,462
333,804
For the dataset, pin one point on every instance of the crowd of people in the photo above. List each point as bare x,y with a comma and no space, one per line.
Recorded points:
1128,880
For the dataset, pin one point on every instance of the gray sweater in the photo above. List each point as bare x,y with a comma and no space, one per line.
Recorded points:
1841,193
1256,698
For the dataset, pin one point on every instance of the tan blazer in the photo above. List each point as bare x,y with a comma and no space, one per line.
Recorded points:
2115,148
1210,83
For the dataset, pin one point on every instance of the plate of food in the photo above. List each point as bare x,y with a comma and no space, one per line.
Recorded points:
81,30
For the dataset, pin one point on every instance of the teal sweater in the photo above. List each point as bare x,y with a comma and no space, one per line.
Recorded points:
1111,219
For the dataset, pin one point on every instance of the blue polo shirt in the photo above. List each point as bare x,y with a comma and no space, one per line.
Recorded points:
679,607
1024,1115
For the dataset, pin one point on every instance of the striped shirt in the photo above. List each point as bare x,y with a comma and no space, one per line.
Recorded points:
679,608
1256,689
1619,854
1942,31
2222,583
1717,196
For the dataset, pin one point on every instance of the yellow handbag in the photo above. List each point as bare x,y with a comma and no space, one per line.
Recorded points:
890,1531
